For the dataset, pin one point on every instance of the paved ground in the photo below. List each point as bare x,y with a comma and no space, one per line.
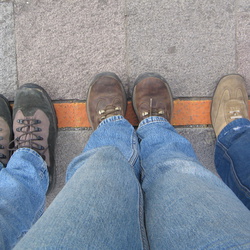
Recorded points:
61,45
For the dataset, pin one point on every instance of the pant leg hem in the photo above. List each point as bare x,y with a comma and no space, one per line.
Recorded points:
152,119
111,119
234,126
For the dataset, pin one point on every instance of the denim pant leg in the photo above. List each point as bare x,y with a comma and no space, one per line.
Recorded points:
186,206
114,131
232,158
23,186
100,207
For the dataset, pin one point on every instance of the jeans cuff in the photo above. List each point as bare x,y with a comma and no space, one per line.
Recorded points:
111,119
234,126
30,151
152,119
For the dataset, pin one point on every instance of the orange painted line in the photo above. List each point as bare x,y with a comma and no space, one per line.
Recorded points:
74,115
71,115
191,112
186,112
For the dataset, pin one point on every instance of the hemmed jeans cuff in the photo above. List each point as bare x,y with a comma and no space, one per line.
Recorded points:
111,119
29,150
234,125
152,119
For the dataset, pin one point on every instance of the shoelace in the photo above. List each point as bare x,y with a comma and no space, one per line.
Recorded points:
2,156
235,114
152,111
109,111
28,138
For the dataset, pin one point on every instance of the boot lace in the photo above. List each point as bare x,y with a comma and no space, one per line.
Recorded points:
235,114
29,138
153,111
109,111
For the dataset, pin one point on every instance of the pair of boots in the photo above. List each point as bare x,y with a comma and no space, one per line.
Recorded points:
34,125
152,97
106,97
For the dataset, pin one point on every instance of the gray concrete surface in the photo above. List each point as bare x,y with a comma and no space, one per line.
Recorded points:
203,142
8,72
70,143
243,45
61,45
191,43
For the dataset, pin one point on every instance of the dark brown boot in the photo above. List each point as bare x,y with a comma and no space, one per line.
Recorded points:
152,97
106,98
35,124
5,130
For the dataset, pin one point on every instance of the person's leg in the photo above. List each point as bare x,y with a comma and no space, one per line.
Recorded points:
232,158
107,103
231,123
23,186
118,133
186,206
25,180
100,207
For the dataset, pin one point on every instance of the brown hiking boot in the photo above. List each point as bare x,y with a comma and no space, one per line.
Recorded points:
152,97
5,130
35,124
230,102
106,98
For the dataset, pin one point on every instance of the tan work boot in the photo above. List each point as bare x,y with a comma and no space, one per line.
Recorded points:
230,102
5,130
152,97
106,98
35,124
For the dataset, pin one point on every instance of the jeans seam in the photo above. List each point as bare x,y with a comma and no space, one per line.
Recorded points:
242,187
134,155
145,243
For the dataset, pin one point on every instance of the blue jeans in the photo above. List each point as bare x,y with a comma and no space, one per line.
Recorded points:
134,190
232,158
23,186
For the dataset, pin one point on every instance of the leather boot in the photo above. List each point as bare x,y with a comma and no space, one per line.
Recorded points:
152,97
5,130
35,124
106,98
230,102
